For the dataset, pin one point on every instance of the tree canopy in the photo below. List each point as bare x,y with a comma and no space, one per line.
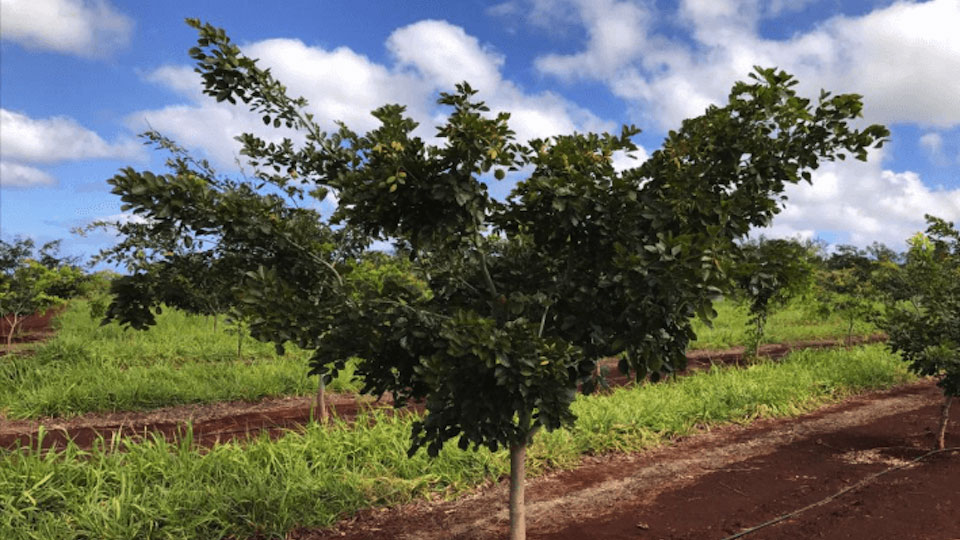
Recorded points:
506,304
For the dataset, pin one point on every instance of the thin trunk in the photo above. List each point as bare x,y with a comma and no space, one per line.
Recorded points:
944,418
518,518
850,333
753,349
239,342
322,400
13,329
214,324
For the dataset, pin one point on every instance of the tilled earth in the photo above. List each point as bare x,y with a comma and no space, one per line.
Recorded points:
720,482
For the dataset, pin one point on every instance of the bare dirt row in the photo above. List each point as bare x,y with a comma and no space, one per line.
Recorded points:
236,420
720,482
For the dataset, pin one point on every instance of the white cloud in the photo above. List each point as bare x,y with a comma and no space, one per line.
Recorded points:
23,176
617,32
933,144
26,142
181,79
340,84
209,126
58,138
863,202
89,28
123,218
903,58
504,9
629,160
445,55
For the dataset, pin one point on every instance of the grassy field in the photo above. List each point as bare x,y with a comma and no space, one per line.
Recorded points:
797,321
159,490
88,367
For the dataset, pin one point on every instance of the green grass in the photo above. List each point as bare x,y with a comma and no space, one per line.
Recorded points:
159,490
92,368
796,321
87,367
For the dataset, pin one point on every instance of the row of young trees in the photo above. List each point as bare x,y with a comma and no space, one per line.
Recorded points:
914,297
767,273
503,306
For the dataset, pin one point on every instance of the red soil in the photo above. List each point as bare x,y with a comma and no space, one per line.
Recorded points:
720,482
238,420
34,327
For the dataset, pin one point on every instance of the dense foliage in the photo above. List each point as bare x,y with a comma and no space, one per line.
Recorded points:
511,302
198,268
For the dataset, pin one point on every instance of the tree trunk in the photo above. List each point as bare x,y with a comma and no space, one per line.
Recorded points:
944,418
850,332
239,342
214,324
13,328
518,518
322,400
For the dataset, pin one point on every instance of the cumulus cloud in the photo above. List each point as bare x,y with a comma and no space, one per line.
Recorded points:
933,144
340,84
903,58
22,176
616,33
863,202
26,142
445,55
48,140
88,28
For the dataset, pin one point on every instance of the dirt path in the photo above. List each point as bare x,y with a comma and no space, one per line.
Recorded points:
716,483
238,419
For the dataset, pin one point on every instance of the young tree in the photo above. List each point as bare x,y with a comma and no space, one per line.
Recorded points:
767,273
29,285
845,283
922,310
510,302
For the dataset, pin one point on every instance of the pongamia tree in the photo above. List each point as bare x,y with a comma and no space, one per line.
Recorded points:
845,284
508,303
34,282
922,309
767,273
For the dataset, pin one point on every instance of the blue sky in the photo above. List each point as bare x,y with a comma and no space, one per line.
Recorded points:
80,78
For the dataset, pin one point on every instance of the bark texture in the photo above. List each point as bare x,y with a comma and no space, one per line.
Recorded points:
518,519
